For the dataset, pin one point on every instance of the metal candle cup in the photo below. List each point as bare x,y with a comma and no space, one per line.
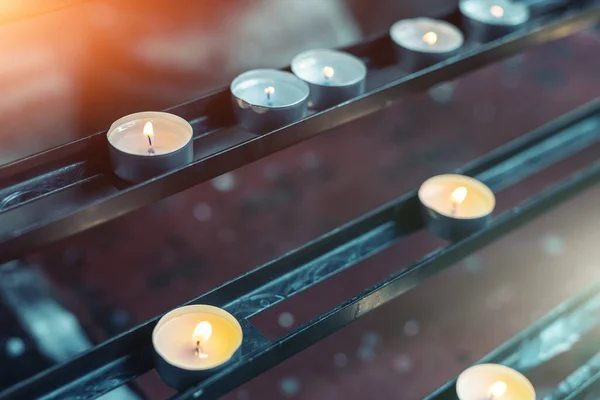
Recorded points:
422,42
455,206
486,20
493,381
147,144
267,99
333,76
180,360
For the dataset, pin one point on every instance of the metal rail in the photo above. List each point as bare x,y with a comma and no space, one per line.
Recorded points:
589,389
333,320
66,190
566,325
127,356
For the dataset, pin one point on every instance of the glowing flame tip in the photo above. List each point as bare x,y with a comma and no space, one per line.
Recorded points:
430,37
497,11
497,389
202,332
148,129
459,195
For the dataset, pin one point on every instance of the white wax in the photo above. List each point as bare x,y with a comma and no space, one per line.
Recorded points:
174,341
171,133
288,89
409,33
310,67
475,383
435,193
495,12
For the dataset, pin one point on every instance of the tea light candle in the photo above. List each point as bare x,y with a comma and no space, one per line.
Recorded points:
146,144
422,42
333,76
267,99
487,20
493,382
455,206
193,342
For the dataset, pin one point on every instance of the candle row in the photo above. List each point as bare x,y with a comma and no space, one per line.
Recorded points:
192,343
144,145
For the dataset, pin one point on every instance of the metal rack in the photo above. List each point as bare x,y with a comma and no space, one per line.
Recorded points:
69,189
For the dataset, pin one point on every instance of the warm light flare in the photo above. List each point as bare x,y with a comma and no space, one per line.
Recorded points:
430,37
497,389
269,91
328,72
149,129
202,333
459,195
497,11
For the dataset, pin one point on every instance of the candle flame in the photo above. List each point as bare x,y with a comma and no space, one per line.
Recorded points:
430,37
328,72
202,333
497,389
458,195
149,129
270,90
497,11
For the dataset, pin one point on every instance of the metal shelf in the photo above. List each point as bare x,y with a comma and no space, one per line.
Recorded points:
128,356
66,190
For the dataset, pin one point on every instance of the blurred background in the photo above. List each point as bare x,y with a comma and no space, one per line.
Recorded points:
70,68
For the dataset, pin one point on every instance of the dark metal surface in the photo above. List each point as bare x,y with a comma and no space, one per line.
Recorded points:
127,356
66,190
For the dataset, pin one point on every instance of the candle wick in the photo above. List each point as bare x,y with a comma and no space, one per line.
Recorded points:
199,352
453,212
150,148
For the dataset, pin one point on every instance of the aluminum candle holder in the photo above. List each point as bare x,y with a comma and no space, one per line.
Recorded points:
147,144
455,206
493,381
486,20
267,99
333,76
194,342
421,42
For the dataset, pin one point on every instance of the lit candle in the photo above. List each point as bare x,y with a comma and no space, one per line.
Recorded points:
455,206
333,76
493,382
487,20
193,342
267,99
147,144
422,42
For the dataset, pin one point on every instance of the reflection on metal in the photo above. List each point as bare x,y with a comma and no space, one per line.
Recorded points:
578,378
558,337
55,330
554,334
314,272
